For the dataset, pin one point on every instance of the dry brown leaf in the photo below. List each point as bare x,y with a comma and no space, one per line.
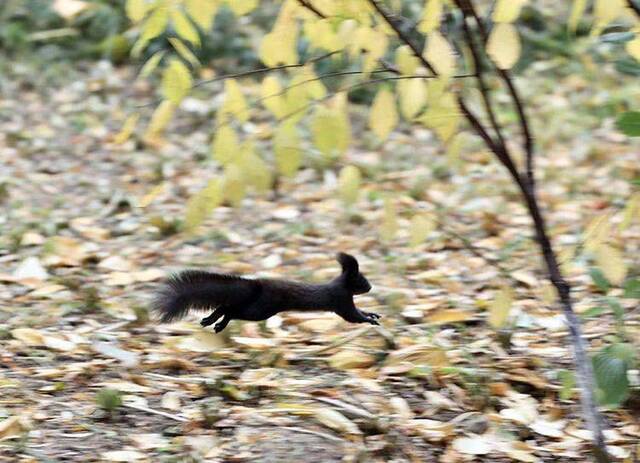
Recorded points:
348,359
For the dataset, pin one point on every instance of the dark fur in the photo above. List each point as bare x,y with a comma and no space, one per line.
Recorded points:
233,297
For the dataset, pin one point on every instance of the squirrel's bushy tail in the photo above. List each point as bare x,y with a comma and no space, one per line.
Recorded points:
198,290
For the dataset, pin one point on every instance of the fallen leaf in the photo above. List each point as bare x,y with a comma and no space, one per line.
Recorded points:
123,455
348,359
475,445
335,420
30,268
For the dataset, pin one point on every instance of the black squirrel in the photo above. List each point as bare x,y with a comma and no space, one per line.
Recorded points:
233,297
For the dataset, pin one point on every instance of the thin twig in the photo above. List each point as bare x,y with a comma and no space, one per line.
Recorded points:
156,412
266,69
347,89
309,6
250,73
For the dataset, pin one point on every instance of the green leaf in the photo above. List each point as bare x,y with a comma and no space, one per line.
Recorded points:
593,312
628,66
618,310
568,382
611,376
632,289
108,399
599,280
629,123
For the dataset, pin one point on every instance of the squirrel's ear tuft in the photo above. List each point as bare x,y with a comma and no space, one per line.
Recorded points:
348,262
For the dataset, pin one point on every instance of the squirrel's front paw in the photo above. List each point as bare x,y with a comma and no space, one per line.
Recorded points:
372,315
372,318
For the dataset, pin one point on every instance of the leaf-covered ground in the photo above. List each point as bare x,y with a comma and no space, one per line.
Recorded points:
87,231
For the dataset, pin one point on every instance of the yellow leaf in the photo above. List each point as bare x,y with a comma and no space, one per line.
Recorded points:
234,101
631,211
597,232
286,146
136,9
413,96
176,81
242,7
202,203
406,61
430,16
389,225
307,78
577,11
331,131
421,226
234,186
127,129
296,102
503,45
440,54
202,12
184,28
507,11
280,45
155,24
346,34
184,51
349,184
500,307
442,116
565,257
160,118
151,64
271,96
321,35
383,116
255,171
224,146
373,43
152,195
633,47
611,262
447,316
454,147
606,11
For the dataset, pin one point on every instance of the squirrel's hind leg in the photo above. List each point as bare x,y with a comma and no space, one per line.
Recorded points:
211,319
222,324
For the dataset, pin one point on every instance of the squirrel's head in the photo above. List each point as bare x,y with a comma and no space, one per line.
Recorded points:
351,278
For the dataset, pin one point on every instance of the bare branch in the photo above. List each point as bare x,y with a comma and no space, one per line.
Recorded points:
309,6
402,36
634,7
482,85
468,9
